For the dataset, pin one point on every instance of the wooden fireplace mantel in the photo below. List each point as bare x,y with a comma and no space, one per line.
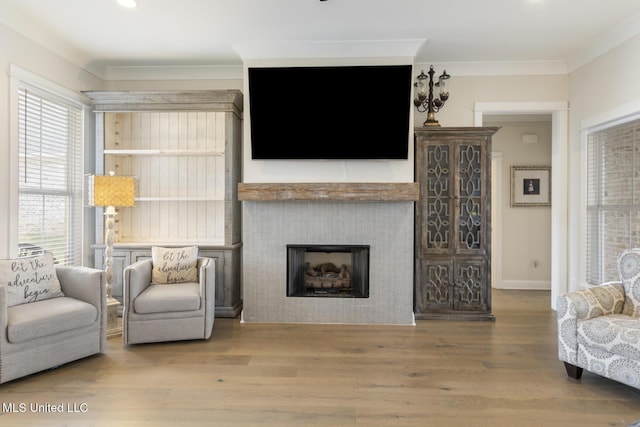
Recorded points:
371,192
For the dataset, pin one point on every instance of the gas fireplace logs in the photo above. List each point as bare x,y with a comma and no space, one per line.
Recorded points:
327,275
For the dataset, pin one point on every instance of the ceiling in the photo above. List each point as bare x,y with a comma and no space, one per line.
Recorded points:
230,32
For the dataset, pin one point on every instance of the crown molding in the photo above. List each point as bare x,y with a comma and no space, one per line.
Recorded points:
498,68
15,20
172,72
235,72
611,39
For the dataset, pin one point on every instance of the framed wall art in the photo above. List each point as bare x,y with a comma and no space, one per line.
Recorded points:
530,186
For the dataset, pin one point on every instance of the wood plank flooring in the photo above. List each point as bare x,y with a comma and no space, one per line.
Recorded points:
438,373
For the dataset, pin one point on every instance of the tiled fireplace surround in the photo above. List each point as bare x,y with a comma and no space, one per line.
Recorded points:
379,215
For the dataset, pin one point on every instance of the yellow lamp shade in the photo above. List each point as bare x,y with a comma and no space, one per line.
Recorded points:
108,190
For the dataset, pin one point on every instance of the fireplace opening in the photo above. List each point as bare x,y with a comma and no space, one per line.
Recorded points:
328,271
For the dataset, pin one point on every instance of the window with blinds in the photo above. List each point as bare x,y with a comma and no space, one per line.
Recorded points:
613,198
50,176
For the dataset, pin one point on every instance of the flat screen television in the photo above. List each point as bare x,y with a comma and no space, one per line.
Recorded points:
342,112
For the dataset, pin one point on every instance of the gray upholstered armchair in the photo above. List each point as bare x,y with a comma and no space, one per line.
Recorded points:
40,335
167,312
599,327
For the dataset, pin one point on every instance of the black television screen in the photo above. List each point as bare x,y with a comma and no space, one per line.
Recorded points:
344,112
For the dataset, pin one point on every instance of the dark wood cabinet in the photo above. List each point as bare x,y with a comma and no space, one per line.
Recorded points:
453,223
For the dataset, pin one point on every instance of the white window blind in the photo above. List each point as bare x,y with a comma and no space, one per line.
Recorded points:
50,176
613,198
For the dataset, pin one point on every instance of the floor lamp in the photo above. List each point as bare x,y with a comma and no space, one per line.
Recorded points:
110,191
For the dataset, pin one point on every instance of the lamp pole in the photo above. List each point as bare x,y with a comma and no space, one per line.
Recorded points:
109,215
110,191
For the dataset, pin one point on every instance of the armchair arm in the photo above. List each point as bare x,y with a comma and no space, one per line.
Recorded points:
607,298
83,283
89,285
207,279
4,305
137,277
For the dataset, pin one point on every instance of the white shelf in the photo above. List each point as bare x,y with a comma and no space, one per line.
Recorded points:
162,152
168,242
179,199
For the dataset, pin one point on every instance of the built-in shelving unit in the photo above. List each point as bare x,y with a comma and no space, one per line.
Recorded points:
184,148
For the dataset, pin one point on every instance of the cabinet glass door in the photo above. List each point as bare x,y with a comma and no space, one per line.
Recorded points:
470,204
437,209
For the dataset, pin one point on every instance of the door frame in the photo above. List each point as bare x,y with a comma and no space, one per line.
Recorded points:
559,111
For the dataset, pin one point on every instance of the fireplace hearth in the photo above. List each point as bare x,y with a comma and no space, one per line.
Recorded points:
328,271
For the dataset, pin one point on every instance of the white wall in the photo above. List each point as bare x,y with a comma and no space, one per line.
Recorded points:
605,89
24,53
467,90
459,111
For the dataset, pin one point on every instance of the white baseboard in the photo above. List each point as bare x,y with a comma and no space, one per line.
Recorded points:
538,285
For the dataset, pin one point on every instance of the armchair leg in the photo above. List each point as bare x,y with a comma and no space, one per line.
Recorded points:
573,371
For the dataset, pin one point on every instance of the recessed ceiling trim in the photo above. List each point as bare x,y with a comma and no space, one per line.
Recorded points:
289,49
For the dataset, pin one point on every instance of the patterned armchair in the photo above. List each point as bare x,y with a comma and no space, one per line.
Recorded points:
599,327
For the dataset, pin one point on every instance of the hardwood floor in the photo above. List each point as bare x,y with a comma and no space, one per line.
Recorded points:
438,373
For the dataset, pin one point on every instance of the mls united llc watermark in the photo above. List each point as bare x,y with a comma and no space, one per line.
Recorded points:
44,408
